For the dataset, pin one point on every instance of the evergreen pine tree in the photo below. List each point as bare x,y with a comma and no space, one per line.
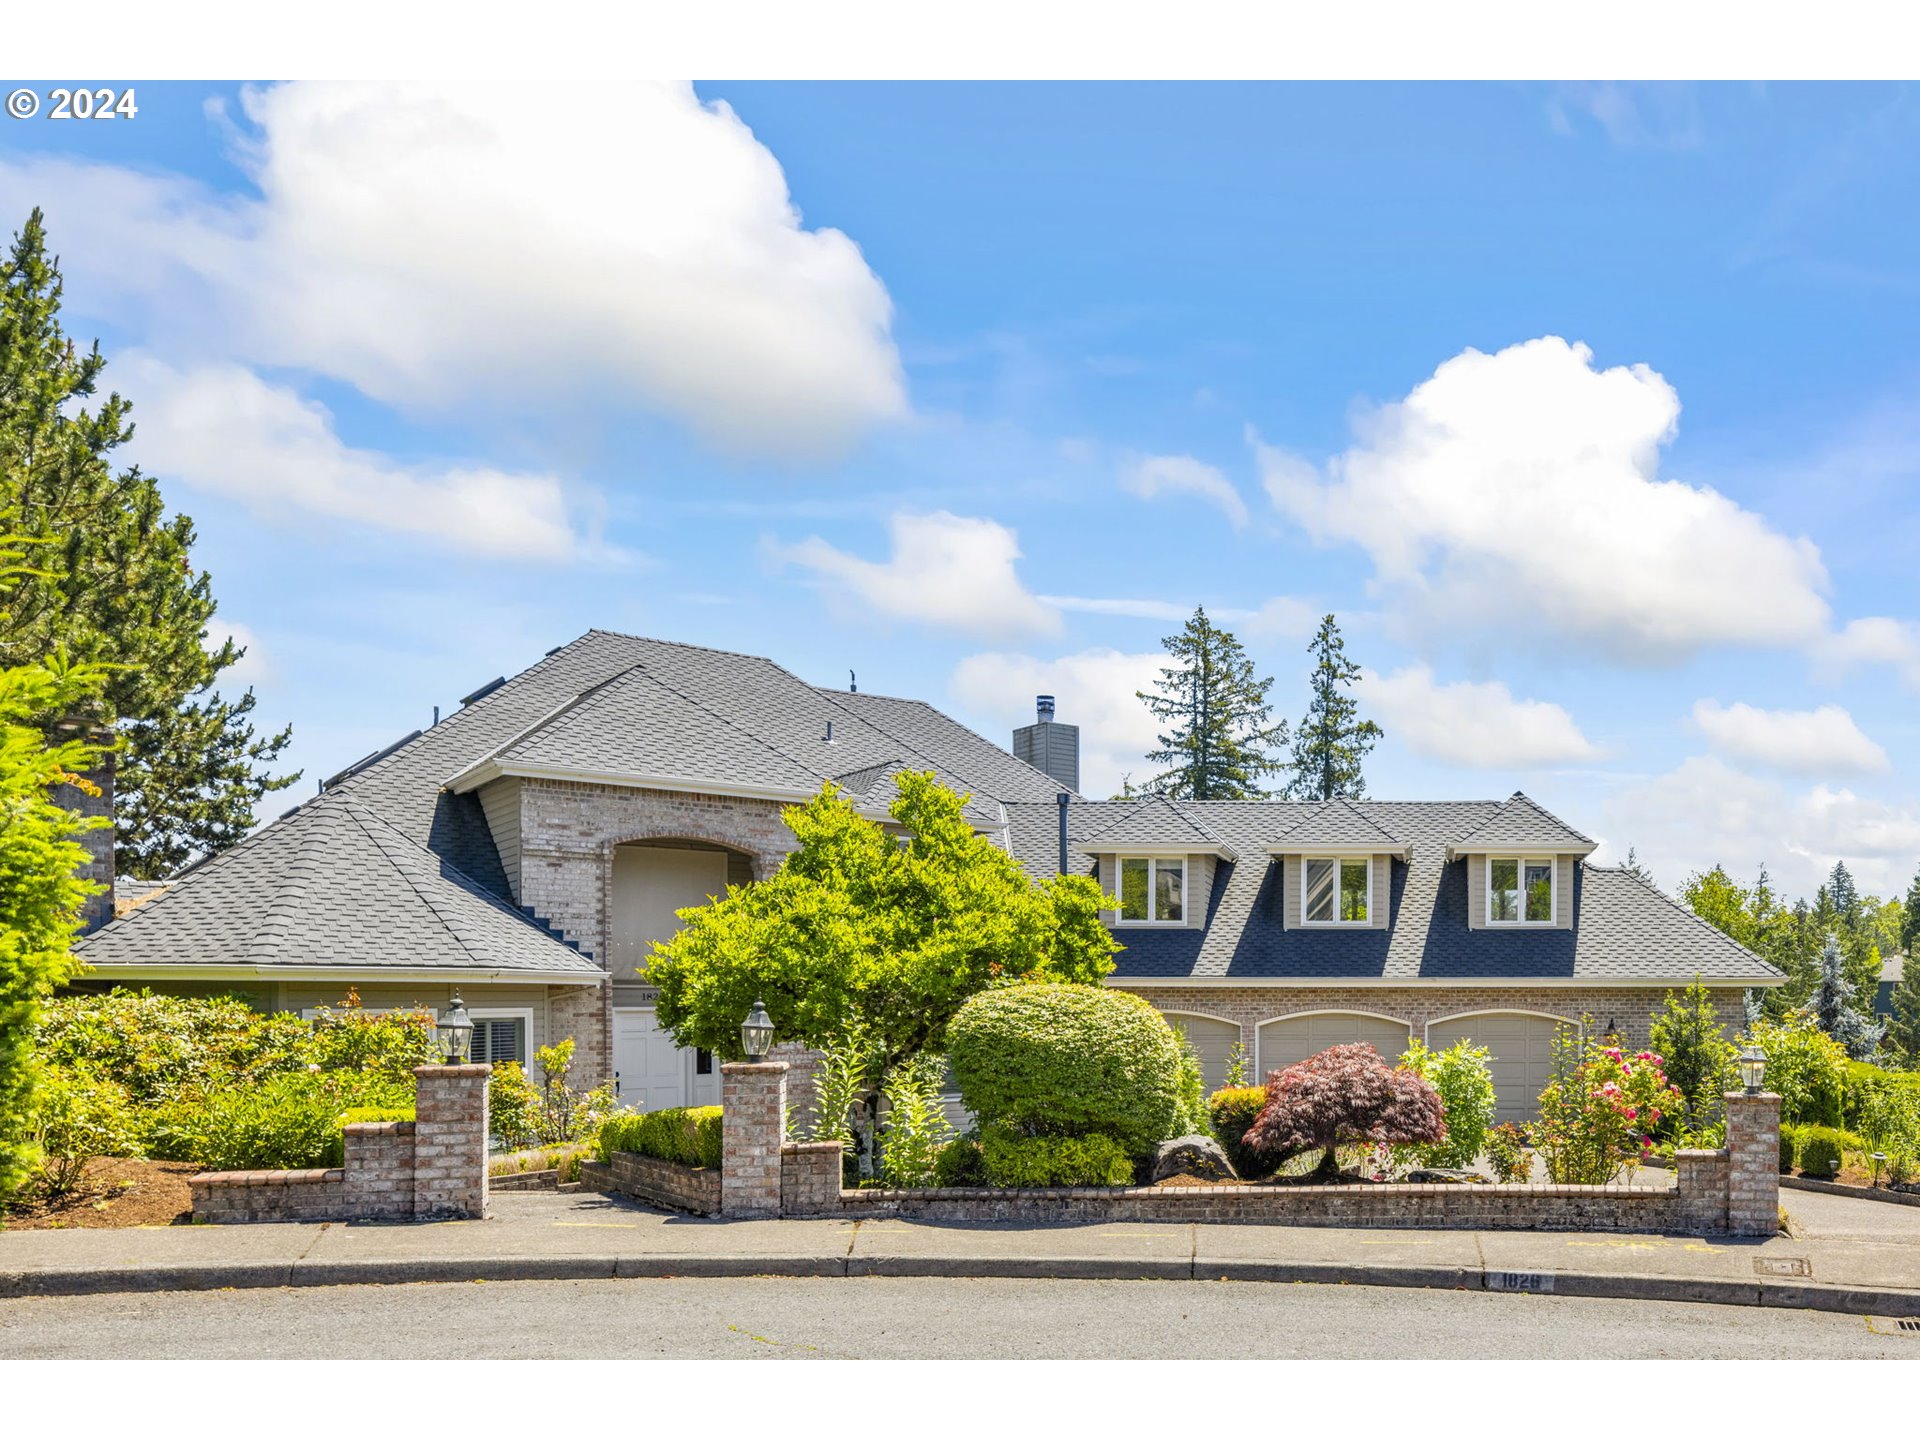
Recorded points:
1332,740
1903,1029
1833,1005
1688,1035
1910,917
1219,742
1846,899
112,582
1634,867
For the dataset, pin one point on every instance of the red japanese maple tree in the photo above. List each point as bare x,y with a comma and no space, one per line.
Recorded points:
1344,1095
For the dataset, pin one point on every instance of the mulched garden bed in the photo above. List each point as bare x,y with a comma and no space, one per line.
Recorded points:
114,1195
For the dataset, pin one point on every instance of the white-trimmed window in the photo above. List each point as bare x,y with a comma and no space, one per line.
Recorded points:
1336,890
1520,889
1152,890
500,1036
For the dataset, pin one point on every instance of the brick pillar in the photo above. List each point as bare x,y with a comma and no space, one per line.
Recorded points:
450,1142
754,1098
1753,1164
94,801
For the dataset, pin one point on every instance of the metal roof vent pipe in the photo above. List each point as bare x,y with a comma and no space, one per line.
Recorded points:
1063,799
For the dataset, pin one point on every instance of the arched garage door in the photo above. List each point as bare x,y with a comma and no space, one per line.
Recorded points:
1292,1039
1521,1047
1212,1040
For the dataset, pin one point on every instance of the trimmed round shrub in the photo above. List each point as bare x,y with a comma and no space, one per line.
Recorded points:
1232,1112
959,1164
1789,1147
1068,1060
1822,1148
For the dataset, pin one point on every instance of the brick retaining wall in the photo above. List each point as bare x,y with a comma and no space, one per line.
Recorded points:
243,1196
655,1182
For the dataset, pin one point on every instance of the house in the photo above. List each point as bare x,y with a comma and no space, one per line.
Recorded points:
1285,927
529,848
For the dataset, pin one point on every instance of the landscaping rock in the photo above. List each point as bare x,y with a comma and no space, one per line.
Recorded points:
1196,1155
1445,1177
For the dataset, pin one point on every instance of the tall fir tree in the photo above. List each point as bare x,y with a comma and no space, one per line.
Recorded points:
1845,897
1910,917
1219,740
1903,1028
112,582
1633,866
1332,741
1834,1005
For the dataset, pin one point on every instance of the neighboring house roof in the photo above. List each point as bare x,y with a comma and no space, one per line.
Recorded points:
334,886
1155,822
1332,824
1627,931
1521,824
1891,967
614,706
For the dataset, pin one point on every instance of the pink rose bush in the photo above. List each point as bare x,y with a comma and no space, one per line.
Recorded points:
1598,1115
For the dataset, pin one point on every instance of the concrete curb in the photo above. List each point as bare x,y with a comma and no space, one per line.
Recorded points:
1700,1290
1851,1192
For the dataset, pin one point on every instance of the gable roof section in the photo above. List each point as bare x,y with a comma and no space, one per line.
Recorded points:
1155,823
334,886
1521,824
1628,933
1333,824
993,770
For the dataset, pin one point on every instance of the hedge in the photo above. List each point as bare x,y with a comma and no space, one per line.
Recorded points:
1068,1060
683,1134
291,1122
1014,1161
1232,1112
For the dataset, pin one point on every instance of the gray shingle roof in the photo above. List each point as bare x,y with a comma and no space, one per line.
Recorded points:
606,702
1518,823
332,885
1626,931
1335,822
1156,820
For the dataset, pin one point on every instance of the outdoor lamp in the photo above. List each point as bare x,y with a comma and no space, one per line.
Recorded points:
756,1032
1753,1068
455,1032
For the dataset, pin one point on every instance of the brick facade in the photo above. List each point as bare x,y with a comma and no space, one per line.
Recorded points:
1753,1164
450,1142
810,1177
1249,1007
755,1100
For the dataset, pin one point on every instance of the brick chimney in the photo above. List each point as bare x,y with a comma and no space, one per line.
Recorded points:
99,843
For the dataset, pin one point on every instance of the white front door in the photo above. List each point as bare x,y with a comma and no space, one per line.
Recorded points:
652,1073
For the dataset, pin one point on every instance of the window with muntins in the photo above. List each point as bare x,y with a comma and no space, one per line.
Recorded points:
1338,891
1153,890
1520,890
497,1041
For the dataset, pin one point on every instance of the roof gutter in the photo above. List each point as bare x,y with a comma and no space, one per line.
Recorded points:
453,974
1421,982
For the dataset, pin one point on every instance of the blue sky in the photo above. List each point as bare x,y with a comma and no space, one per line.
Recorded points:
1589,410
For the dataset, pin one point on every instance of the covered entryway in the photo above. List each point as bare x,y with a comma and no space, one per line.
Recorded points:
1292,1038
653,1073
1212,1039
1521,1047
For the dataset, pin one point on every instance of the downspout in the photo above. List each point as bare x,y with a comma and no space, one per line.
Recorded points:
1062,799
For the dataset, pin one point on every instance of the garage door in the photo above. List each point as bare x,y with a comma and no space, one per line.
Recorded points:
1522,1056
652,1073
1289,1041
1213,1040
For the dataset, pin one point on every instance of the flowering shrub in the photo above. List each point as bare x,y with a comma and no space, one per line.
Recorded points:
1599,1112
1344,1095
1506,1152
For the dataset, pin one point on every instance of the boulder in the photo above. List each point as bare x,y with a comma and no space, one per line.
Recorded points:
1445,1177
1197,1155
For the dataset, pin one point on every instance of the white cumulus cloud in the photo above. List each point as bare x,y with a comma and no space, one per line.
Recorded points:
472,246
224,430
1472,723
1094,689
1706,812
1820,741
1876,640
951,570
1519,494
1182,474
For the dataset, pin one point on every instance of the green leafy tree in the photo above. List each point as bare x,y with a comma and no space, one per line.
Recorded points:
112,582
1332,740
859,937
40,892
1716,899
1219,741
1688,1036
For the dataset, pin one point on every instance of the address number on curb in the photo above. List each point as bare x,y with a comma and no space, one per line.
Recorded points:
1530,1281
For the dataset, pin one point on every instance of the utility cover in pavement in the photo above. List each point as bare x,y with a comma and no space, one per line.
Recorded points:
1763,1265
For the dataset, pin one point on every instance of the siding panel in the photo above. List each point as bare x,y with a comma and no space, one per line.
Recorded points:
500,800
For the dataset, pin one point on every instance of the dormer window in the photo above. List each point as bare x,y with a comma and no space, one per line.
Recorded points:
1153,890
1520,890
1338,890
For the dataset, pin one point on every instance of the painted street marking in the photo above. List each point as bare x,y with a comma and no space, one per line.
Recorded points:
1764,1265
1532,1282
1618,1244
599,1224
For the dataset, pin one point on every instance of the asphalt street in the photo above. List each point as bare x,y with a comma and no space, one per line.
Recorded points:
796,1319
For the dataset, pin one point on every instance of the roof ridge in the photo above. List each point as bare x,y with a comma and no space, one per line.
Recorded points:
752,735
832,695
384,843
296,879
